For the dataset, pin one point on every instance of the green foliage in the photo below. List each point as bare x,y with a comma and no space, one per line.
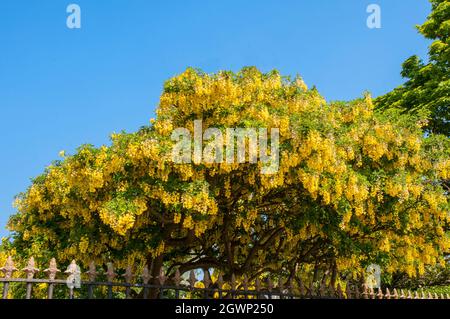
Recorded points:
426,93
437,289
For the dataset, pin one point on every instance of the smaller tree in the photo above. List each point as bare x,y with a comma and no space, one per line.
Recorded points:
426,94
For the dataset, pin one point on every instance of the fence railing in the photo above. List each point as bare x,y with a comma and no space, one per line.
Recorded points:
177,286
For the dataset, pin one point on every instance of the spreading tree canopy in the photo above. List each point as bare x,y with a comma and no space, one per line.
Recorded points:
354,187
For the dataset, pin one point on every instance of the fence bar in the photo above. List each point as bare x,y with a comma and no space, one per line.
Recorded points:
128,279
146,278
110,275
92,274
72,272
162,280
52,270
206,282
8,271
258,288
30,270
269,287
220,285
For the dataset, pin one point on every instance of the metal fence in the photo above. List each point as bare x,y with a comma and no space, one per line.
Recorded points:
177,286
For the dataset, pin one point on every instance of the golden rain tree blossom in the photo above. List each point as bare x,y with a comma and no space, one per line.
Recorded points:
353,187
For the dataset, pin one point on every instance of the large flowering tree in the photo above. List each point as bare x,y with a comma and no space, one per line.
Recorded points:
353,187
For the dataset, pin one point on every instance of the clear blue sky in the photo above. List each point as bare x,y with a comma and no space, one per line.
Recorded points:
60,88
